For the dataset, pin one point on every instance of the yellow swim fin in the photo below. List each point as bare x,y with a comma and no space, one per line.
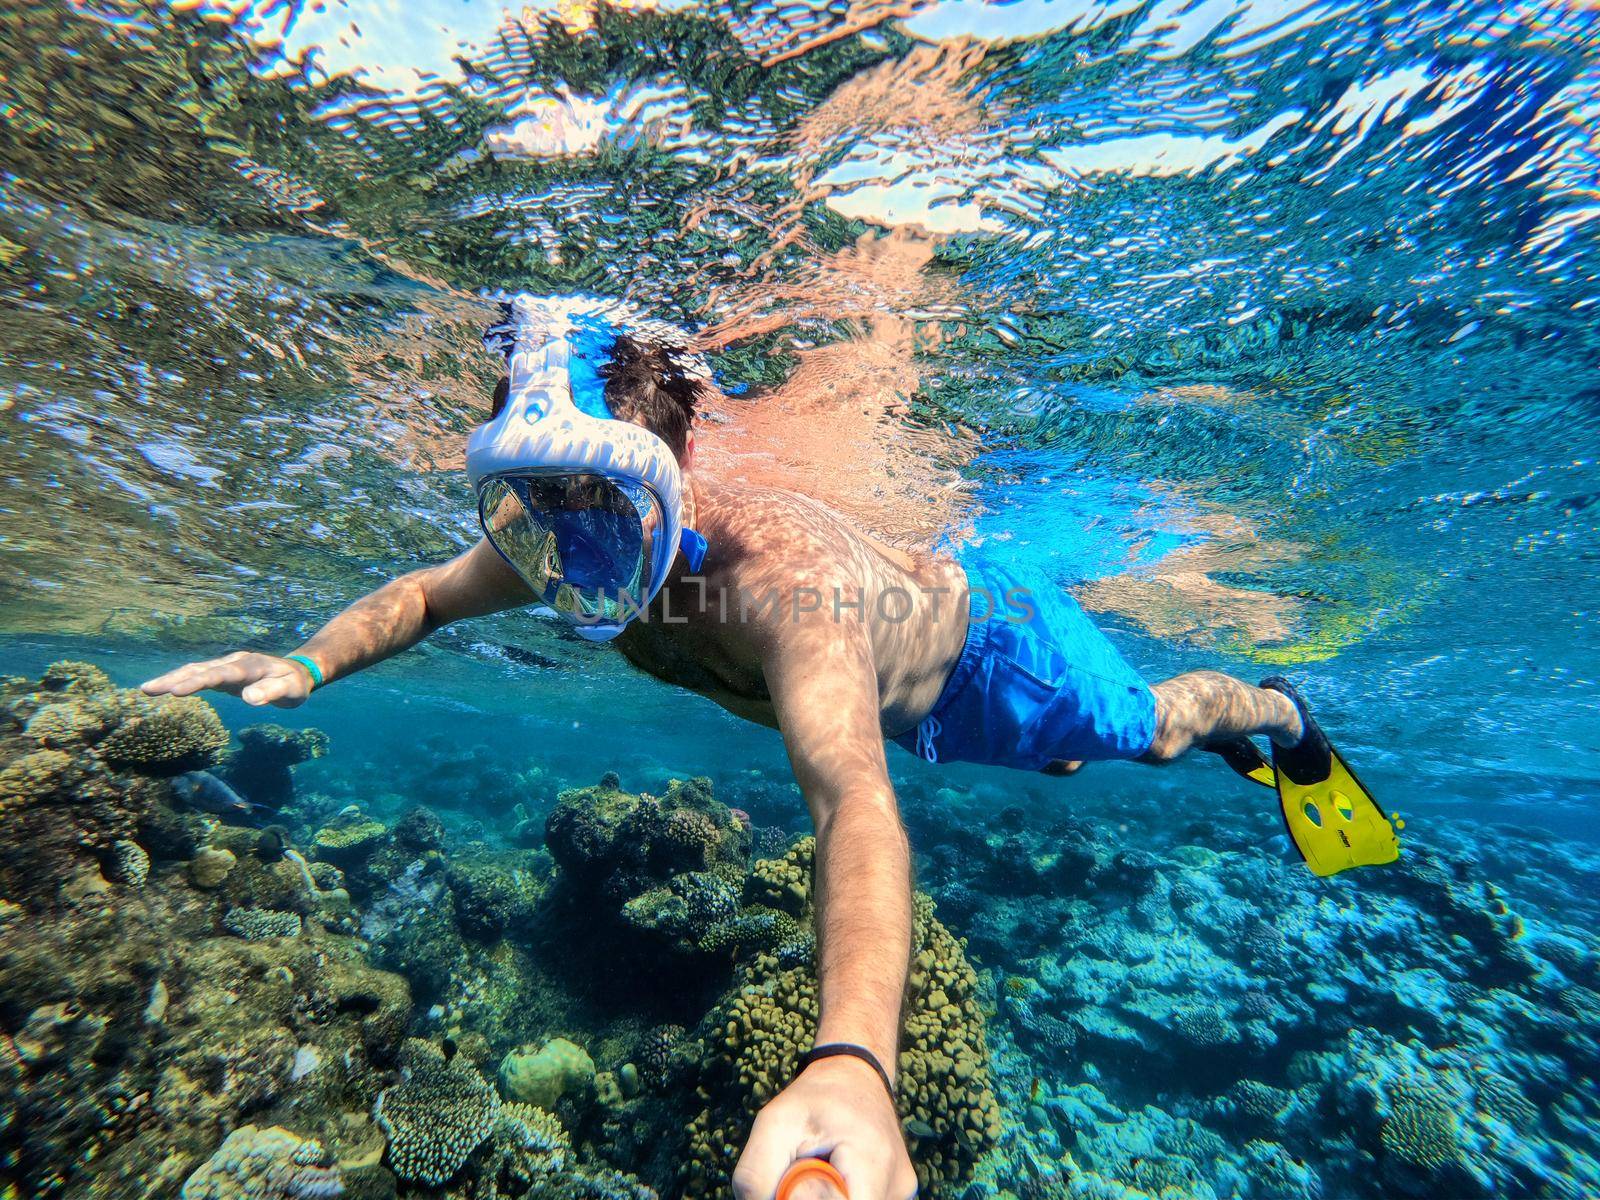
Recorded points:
1332,818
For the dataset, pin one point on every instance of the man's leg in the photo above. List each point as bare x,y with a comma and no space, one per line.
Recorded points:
1205,707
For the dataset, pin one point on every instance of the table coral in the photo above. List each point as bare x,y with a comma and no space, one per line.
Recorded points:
349,839
177,735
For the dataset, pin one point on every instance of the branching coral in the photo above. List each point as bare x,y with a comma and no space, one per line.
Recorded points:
529,1157
1203,1027
435,1118
38,775
669,868
129,863
70,722
65,814
621,844
656,1056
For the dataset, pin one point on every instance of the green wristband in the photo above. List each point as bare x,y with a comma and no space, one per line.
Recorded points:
311,668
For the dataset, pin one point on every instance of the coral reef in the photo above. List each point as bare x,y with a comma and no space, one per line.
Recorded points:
749,1048
1211,1020
622,845
260,769
529,1156
142,1031
369,995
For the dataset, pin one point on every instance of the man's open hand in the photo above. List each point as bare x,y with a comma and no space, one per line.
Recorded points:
254,678
836,1109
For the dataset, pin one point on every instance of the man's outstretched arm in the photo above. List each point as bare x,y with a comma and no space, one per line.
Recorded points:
395,617
825,689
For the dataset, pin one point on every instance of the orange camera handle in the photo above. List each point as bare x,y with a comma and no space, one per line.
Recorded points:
807,1168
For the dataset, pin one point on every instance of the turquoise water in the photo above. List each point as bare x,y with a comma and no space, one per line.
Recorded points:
1266,327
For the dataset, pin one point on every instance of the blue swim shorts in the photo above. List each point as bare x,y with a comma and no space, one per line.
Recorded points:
1036,682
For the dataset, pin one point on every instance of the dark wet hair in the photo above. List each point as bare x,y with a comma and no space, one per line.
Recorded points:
645,384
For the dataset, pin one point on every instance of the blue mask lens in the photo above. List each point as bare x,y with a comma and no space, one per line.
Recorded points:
597,548
581,542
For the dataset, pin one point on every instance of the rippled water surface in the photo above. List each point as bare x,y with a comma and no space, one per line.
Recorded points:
1267,326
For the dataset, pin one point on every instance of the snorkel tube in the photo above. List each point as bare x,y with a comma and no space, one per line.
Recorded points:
555,421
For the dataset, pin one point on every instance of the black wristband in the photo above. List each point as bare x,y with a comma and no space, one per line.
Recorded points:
849,1050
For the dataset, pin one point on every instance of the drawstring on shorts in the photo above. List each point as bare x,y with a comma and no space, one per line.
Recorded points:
926,732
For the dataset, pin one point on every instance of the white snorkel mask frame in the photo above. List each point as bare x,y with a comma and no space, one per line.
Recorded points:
555,422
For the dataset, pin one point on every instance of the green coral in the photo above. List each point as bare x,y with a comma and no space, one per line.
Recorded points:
541,1078
179,735
436,1118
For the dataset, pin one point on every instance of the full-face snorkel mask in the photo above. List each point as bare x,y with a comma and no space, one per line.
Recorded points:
587,509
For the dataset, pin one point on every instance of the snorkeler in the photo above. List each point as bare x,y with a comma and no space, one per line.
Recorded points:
772,605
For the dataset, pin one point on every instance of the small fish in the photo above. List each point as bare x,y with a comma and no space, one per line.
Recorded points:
204,791
919,1129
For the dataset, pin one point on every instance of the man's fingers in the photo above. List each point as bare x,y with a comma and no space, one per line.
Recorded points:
224,673
265,691
766,1156
872,1177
